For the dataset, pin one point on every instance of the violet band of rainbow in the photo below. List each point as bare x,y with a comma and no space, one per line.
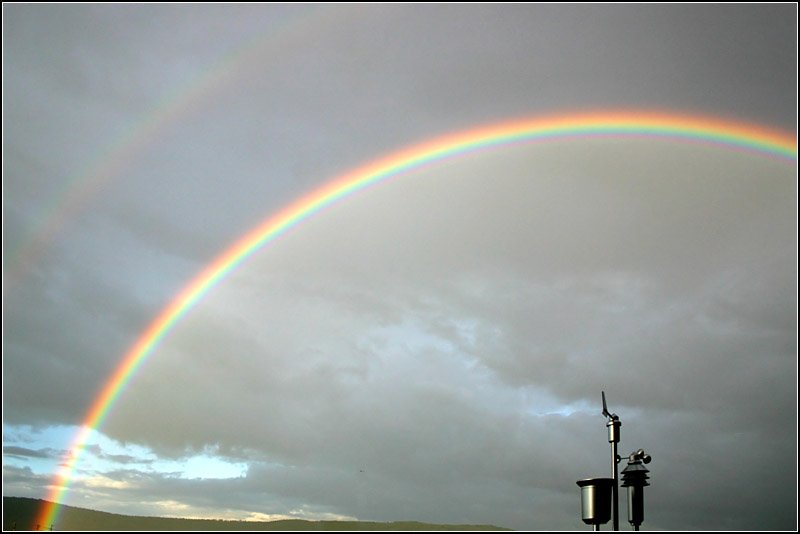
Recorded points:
691,128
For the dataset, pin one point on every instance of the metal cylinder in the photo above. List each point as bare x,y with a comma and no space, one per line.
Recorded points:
613,430
634,477
596,500
635,505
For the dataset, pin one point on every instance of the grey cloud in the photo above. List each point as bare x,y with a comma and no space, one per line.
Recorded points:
415,342
341,358
22,481
24,452
97,451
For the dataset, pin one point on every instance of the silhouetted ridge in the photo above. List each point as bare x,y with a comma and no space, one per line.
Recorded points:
19,513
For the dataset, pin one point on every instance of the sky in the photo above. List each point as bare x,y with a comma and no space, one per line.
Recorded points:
432,348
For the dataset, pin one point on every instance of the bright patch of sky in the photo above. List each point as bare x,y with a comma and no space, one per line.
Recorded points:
23,447
418,349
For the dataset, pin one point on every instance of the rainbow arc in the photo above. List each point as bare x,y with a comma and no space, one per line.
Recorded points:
623,124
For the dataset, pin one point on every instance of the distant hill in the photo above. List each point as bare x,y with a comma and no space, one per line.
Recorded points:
19,513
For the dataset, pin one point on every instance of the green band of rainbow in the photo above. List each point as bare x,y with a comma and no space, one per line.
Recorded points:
731,134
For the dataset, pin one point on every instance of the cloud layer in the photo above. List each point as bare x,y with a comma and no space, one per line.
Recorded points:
429,349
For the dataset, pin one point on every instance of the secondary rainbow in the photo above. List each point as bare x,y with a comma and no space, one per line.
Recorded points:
181,101
691,128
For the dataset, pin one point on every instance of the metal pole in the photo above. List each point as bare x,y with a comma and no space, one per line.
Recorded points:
614,425
615,487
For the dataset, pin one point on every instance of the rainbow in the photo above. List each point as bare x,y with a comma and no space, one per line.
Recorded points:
691,128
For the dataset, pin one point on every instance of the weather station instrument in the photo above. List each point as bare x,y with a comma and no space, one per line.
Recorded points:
600,496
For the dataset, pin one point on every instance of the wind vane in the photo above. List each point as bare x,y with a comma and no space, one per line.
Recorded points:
611,416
